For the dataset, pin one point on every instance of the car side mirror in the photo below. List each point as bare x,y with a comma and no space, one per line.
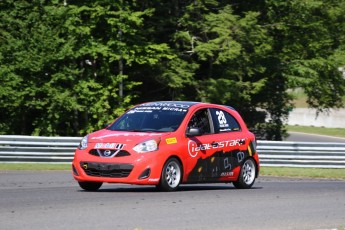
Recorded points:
191,132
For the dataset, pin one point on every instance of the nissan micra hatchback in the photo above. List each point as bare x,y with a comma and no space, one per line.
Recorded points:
167,143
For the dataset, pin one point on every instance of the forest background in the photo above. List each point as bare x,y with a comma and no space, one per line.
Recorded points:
70,67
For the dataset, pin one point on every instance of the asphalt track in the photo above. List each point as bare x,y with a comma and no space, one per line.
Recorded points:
53,200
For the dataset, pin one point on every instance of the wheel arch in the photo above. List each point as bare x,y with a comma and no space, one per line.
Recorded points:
179,160
255,162
168,182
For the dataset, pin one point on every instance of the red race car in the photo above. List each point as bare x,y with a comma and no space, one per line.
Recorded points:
167,143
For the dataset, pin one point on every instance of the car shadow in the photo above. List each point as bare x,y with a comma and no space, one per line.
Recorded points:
182,188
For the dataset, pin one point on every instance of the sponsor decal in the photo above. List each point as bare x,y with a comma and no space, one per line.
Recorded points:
240,156
110,149
141,110
166,104
150,109
171,140
109,146
194,148
227,174
227,165
126,134
174,109
159,106
154,179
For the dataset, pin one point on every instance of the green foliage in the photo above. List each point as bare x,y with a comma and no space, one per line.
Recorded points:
311,48
321,81
61,65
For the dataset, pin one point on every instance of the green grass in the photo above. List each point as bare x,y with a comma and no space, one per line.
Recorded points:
265,171
337,132
303,172
35,167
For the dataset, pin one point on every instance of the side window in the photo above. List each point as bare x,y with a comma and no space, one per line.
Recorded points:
200,120
223,121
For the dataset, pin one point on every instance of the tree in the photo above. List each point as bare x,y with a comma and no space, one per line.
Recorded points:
60,64
32,50
309,34
232,55
68,68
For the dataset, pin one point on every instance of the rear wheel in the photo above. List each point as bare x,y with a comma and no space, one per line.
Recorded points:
90,186
247,175
171,175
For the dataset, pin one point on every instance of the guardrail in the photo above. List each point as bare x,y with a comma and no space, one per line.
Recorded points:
302,154
33,149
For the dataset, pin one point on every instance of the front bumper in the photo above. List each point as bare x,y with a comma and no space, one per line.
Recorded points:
137,169
109,170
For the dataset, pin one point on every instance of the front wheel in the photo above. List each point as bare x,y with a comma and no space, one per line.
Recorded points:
90,186
247,175
171,176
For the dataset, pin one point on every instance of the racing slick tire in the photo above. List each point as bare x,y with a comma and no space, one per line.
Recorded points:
90,186
247,175
171,176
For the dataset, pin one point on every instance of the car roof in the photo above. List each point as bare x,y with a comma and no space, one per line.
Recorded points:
184,104
180,104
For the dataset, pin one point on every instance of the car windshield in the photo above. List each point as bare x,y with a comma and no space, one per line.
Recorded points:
150,119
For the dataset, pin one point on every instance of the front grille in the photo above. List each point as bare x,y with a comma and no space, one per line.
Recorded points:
106,169
109,153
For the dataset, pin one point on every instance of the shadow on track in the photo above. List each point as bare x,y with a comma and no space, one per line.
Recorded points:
153,189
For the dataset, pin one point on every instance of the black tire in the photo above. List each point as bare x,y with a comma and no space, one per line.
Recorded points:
247,175
171,176
90,186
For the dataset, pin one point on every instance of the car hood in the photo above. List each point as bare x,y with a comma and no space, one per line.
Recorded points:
109,136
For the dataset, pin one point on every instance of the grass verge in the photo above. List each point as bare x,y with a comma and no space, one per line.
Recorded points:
265,171
336,132
35,167
303,172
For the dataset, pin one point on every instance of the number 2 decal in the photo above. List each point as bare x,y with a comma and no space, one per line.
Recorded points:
223,123
221,117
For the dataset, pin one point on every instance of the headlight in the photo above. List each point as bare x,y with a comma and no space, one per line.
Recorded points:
84,142
147,146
